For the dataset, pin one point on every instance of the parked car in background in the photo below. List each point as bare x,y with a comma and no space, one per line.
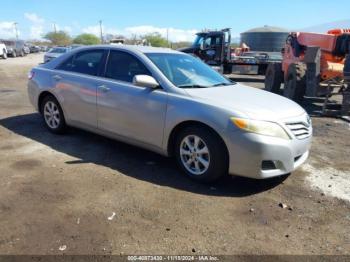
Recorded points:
34,49
44,48
174,104
26,49
3,50
15,48
55,52
74,46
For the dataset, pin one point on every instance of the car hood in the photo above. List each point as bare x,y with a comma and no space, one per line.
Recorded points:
255,103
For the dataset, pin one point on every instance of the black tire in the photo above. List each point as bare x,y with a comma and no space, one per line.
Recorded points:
218,156
274,78
295,83
61,127
4,54
14,54
21,53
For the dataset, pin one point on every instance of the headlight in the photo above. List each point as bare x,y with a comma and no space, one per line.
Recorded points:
260,127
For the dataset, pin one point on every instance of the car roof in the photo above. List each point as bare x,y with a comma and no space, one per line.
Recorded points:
134,48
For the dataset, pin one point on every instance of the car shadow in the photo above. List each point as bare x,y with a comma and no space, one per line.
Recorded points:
129,160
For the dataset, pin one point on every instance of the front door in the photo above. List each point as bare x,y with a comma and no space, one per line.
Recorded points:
127,110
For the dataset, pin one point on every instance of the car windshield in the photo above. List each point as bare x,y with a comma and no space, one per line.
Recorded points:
186,71
58,50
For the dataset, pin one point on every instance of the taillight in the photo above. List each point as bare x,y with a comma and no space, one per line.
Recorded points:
31,75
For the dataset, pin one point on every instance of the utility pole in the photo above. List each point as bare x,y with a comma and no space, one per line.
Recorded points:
167,36
101,34
16,30
54,27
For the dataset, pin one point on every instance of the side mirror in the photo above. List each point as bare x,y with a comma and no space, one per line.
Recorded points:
145,81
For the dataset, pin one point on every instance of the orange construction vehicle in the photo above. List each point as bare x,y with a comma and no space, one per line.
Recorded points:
314,65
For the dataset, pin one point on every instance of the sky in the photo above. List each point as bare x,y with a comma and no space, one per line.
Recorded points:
181,18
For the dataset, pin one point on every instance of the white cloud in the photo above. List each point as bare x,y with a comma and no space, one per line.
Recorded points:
34,18
174,34
37,25
66,29
7,30
95,29
36,31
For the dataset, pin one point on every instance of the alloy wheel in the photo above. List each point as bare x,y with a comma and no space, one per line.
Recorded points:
52,115
194,155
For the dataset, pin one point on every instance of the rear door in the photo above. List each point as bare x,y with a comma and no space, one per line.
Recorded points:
76,82
125,109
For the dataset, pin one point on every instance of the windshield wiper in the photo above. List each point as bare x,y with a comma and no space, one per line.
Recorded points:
192,86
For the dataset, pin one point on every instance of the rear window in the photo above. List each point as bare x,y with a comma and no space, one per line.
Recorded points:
87,62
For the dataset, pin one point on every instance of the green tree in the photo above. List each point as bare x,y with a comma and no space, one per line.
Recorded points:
155,39
59,38
177,45
86,39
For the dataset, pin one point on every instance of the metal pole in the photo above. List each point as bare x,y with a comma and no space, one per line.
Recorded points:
101,34
15,24
167,36
54,27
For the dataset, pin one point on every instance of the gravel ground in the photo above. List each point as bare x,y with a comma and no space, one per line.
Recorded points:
84,194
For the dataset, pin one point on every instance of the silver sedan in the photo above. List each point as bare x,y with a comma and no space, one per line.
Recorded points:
175,105
55,52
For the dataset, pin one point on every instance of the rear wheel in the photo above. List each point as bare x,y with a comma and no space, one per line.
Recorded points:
295,84
53,115
274,78
201,154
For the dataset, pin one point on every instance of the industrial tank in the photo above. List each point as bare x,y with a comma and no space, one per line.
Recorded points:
267,38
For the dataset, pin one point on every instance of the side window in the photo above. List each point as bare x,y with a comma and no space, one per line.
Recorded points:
218,40
207,42
123,66
86,62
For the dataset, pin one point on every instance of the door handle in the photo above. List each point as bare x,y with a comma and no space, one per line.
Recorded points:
57,77
104,88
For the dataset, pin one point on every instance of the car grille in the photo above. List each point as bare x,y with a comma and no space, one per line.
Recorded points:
300,130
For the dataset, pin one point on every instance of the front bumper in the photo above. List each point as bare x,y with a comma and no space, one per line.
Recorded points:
248,152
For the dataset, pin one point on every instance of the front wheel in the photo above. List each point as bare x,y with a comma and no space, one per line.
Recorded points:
53,115
295,84
201,154
274,78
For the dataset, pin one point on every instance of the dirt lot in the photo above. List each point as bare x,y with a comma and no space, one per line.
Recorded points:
85,194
